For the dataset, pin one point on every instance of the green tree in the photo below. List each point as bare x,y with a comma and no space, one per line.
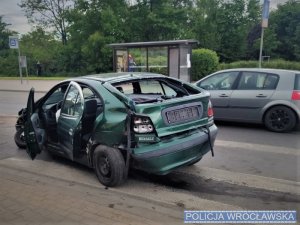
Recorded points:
224,26
8,57
93,25
285,30
40,46
156,20
4,34
235,20
48,14
204,23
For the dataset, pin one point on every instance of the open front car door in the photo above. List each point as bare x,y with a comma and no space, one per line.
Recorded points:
35,136
69,121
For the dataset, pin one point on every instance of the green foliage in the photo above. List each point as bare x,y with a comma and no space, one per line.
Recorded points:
8,57
274,64
230,28
157,20
39,46
204,62
224,26
9,63
160,70
4,34
204,24
48,14
93,25
285,26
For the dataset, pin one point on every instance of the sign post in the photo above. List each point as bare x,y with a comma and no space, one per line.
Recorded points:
264,24
23,64
14,44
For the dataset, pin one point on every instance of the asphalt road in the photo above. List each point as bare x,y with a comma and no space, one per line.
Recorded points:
11,102
252,168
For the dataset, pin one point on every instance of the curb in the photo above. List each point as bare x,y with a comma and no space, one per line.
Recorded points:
27,91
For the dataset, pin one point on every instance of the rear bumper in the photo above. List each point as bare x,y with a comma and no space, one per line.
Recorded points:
166,155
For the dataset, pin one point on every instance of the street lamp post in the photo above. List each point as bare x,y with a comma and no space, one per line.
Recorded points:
264,24
261,46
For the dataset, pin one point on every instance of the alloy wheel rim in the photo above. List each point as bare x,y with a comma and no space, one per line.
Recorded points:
279,119
22,136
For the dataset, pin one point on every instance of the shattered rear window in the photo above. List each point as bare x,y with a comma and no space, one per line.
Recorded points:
151,90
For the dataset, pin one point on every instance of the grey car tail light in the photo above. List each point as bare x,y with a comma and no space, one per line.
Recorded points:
296,95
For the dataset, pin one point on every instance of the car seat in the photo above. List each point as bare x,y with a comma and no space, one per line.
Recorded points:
89,116
251,83
270,82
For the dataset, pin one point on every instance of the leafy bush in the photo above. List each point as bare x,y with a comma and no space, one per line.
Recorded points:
274,64
9,63
204,62
160,70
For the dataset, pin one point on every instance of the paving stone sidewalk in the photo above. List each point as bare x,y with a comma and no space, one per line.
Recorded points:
30,199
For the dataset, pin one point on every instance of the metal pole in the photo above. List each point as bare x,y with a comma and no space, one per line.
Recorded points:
26,73
20,69
261,46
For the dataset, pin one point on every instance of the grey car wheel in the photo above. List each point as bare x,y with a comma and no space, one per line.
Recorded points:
280,119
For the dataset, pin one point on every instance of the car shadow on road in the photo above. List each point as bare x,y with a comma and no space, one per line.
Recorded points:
219,191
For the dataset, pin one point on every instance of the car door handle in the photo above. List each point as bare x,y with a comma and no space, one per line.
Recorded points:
71,132
223,96
261,96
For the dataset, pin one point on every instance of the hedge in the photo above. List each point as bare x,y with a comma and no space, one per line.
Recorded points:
204,62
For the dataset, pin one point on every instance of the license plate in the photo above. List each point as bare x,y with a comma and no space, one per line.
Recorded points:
182,115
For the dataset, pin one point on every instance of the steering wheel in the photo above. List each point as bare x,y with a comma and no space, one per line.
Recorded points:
211,86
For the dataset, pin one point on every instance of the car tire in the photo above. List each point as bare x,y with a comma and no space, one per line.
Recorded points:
20,139
109,166
280,119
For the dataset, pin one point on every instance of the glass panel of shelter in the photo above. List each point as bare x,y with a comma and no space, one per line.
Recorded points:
184,64
121,60
158,60
137,60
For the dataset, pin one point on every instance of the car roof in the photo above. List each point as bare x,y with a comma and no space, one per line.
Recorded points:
120,77
267,70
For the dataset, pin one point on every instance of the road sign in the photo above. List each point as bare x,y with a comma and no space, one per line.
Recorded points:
23,61
14,42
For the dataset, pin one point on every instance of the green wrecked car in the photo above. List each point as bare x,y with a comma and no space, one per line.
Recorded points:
117,121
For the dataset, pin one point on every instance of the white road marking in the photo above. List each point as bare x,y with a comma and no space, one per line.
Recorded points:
258,147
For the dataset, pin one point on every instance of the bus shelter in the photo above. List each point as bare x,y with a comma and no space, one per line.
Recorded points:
171,58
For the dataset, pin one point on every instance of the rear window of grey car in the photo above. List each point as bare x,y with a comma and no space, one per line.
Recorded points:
297,82
257,81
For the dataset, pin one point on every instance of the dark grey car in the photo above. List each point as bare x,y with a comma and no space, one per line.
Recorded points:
268,96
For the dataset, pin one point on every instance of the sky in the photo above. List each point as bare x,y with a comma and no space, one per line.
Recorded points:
12,14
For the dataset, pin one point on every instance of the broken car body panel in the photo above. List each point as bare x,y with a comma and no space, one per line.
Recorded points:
156,123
